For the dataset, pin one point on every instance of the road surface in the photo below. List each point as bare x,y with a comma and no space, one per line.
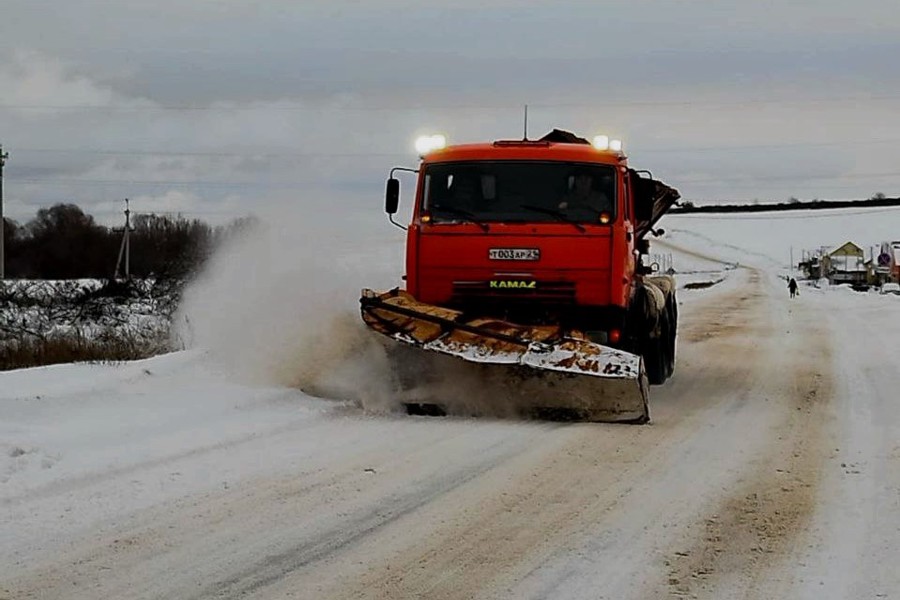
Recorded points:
770,470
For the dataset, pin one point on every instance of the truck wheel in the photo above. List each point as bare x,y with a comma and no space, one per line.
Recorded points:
672,312
655,362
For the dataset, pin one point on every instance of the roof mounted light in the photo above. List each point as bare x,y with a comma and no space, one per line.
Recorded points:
602,142
430,143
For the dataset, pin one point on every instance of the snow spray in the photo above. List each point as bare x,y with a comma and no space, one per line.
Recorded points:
278,305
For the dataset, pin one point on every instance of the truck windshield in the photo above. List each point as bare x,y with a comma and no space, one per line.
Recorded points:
519,191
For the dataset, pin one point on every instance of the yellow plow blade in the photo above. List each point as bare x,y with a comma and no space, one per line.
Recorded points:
569,375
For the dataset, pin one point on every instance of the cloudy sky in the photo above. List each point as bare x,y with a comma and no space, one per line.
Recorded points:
219,108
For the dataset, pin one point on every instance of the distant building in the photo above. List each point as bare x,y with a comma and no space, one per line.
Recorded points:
811,263
845,264
811,266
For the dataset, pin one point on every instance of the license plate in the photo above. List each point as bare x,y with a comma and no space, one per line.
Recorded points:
514,254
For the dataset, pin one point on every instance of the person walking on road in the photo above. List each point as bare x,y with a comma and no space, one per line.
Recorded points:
792,286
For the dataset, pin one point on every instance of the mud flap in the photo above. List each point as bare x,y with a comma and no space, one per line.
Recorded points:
554,373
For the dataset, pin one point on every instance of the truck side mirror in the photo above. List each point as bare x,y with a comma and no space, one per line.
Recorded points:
392,196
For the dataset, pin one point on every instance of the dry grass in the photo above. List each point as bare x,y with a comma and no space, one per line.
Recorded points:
37,352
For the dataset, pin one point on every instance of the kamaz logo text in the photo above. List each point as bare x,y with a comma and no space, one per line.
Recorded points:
512,285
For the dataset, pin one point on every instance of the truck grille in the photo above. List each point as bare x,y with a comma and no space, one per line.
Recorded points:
548,292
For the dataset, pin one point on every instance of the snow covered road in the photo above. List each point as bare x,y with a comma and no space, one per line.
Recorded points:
770,470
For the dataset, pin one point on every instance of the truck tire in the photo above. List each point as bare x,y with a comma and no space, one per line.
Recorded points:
656,353
655,361
649,324
672,314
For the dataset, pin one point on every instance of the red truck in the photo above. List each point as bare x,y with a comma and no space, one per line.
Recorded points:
529,254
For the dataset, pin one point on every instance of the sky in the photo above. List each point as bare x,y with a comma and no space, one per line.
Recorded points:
218,109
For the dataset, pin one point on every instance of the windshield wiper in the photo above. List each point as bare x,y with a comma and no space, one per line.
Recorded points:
463,213
560,216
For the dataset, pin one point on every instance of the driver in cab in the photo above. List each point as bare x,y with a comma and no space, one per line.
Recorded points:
582,194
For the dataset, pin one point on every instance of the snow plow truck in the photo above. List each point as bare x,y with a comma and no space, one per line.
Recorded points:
529,256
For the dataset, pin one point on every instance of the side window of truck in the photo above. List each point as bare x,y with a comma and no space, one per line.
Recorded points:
626,181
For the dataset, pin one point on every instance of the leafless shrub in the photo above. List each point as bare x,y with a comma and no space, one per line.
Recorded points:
44,322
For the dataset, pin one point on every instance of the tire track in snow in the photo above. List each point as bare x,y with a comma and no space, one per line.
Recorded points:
274,567
514,519
82,482
726,318
487,538
262,530
759,523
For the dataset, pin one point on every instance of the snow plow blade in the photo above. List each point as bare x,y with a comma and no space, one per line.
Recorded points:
558,373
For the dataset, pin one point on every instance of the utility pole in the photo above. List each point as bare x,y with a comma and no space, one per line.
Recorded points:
125,248
3,157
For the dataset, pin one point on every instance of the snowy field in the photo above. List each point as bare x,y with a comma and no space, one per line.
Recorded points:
771,468
86,310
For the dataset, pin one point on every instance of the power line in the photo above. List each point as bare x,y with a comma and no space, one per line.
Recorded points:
287,184
795,177
455,107
247,154
770,146
383,154
677,180
706,103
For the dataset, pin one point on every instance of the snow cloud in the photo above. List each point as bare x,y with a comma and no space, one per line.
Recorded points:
280,306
